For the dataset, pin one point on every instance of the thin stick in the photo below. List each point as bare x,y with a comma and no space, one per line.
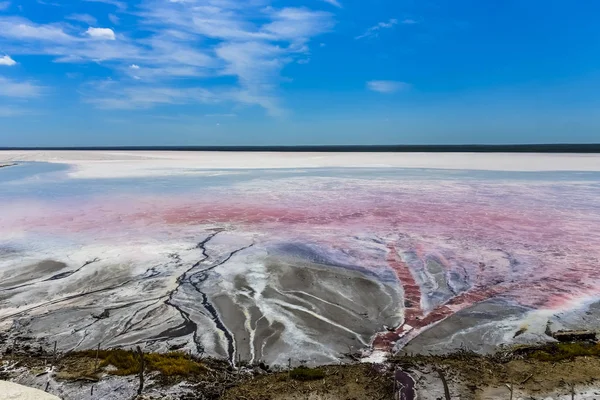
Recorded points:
141,372
54,354
510,387
443,378
526,379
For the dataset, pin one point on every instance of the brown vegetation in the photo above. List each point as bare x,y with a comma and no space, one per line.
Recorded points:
306,374
338,382
127,362
528,370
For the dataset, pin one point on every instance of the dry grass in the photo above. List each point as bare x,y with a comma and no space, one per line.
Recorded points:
127,362
565,351
339,382
307,374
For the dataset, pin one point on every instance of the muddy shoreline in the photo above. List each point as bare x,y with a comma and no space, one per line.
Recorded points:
540,371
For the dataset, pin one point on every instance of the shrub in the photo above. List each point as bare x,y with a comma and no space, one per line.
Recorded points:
566,351
307,374
173,364
127,362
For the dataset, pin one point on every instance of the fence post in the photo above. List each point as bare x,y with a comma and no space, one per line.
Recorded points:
141,372
54,355
445,383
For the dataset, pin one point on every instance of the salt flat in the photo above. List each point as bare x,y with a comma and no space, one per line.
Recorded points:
271,256
99,164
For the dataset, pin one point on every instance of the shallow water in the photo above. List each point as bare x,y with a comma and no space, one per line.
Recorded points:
277,263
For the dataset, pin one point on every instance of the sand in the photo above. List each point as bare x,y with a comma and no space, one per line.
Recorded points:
14,391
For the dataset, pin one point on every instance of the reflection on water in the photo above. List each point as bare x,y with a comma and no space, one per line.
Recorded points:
51,179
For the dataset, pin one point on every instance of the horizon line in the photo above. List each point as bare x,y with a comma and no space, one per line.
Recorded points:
395,148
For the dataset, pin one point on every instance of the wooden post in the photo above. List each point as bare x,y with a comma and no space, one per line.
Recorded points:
572,391
92,391
443,378
97,353
54,355
47,384
141,372
510,387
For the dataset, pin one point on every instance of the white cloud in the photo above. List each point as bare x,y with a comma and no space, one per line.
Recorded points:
387,86
164,73
334,3
114,19
7,61
4,5
10,88
101,33
122,6
374,30
298,24
134,66
21,29
47,3
184,40
111,95
85,18
269,102
409,21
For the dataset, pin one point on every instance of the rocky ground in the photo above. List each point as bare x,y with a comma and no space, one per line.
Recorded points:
551,371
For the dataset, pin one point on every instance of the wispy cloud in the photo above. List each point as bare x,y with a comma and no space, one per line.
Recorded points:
10,88
409,21
85,18
187,40
101,33
6,60
387,86
4,5
114,19
334,3
253,42
48,3
111,95
22,29
122,6
374,30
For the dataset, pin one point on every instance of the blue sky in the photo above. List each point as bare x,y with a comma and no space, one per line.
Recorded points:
233,72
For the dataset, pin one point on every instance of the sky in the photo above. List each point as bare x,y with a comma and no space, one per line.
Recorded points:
294,72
